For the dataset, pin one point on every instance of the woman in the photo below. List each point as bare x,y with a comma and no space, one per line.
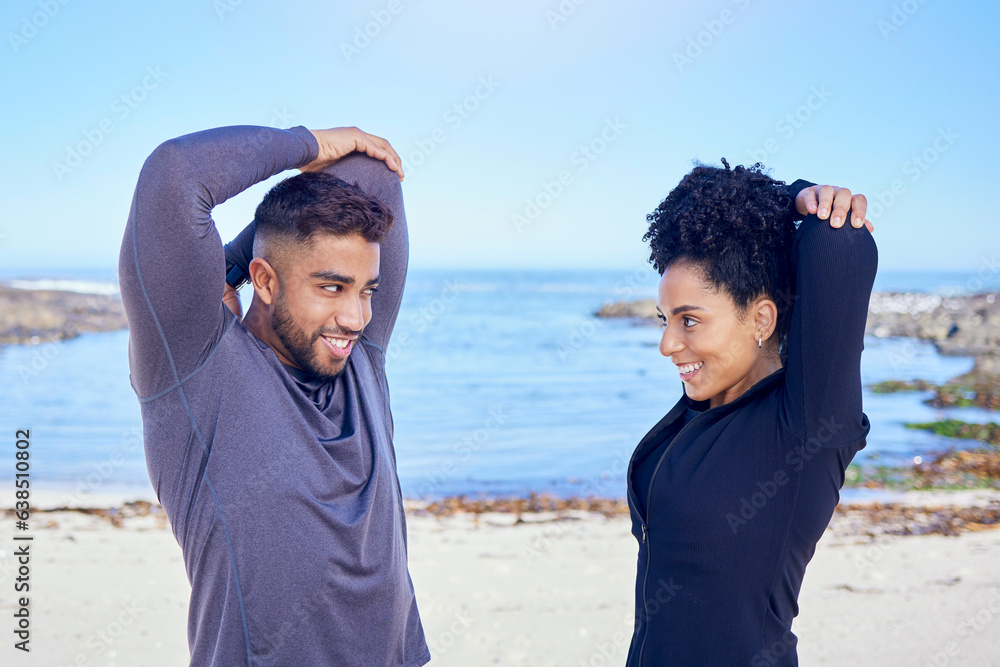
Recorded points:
731,490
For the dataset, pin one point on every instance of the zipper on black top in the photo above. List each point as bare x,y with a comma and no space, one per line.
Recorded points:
649,494
645,528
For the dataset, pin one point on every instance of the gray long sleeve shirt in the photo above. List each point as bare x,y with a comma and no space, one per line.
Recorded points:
281,488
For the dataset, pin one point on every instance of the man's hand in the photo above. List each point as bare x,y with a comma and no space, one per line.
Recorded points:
232,300
827,200
340,141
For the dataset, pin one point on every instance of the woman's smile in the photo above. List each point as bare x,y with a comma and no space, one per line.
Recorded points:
689,370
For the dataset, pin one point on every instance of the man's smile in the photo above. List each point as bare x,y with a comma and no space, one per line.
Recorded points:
339,347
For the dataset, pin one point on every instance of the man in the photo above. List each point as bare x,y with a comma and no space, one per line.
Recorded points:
269,440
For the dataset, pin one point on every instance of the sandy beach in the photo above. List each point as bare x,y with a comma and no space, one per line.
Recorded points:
554,589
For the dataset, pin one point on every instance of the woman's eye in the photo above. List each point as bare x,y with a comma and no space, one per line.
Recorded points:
684,320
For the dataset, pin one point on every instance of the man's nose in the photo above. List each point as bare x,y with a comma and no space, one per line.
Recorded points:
352,315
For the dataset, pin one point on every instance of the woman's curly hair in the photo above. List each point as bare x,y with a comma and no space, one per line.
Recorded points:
736,225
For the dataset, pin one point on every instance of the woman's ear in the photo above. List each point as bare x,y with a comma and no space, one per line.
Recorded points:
765,317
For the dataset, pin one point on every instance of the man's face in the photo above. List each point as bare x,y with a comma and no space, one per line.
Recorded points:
324,302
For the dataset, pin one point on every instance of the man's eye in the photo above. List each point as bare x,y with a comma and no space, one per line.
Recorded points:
332,288
371,290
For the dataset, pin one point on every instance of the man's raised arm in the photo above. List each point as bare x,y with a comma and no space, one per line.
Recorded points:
171,266
355,156
377,180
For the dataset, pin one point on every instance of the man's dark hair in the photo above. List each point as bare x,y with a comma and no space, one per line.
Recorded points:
298,208
736,226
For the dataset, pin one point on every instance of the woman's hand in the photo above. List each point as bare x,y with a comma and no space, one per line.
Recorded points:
828,200
337,142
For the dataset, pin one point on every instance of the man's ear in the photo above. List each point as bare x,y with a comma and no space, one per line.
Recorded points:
264,279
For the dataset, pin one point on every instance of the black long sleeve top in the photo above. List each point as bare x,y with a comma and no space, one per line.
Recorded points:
736,497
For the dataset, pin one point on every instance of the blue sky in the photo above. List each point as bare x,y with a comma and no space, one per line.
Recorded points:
877,96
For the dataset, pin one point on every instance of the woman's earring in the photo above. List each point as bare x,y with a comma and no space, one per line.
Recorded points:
758,343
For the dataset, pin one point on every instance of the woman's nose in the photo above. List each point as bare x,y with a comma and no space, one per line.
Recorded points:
669,344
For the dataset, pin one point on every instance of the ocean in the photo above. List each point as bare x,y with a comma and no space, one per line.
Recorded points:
502,382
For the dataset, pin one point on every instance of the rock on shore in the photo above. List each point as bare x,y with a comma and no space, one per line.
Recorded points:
957,325
37,316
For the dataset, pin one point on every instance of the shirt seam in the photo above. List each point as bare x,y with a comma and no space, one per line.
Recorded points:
194,425
786,423
416,662
190,375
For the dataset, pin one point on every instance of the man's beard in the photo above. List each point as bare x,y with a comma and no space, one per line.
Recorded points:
297,343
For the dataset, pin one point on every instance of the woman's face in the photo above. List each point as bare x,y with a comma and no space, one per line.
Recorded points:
704,335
